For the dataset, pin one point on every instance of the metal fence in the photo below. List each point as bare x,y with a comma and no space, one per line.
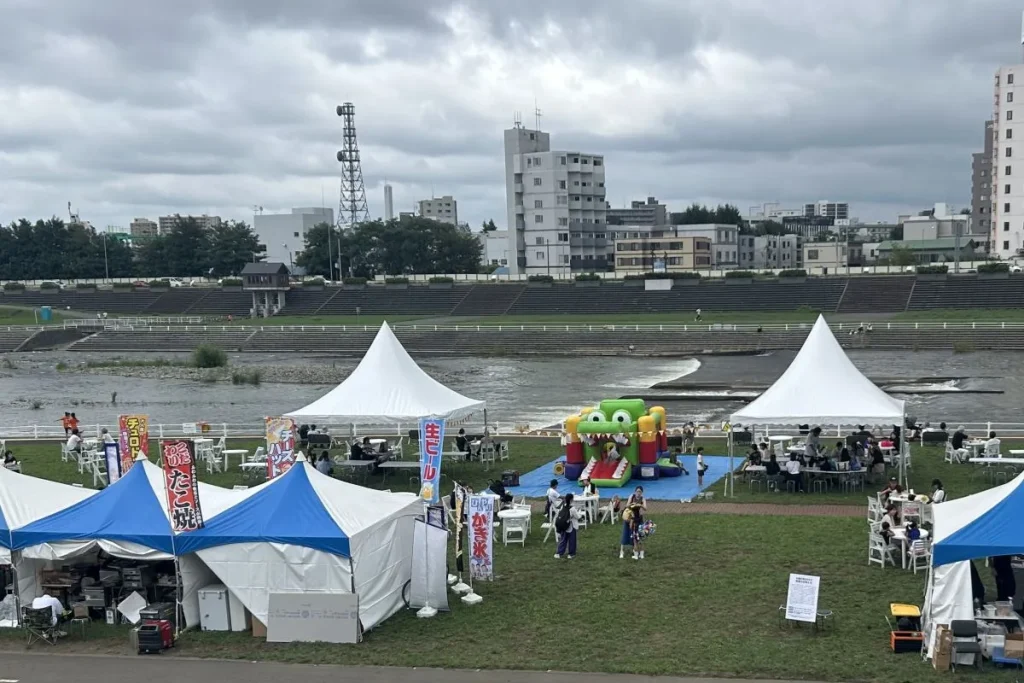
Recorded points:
255,430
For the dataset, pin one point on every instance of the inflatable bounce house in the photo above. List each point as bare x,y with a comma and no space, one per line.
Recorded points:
617,441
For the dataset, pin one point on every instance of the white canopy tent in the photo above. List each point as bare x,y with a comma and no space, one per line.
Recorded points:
388,388
821,386
25,499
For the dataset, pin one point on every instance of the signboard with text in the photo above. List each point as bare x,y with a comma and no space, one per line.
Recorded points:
481,537
802,598
133,434
182,485
431,447
280,445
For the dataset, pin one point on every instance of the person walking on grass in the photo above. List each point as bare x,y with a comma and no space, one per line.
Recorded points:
567,525
697,317
636,506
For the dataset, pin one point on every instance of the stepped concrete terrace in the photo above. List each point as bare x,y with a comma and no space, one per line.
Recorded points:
489,300
552,340
408,300
176,301
12,338
877,294
91,301
967,292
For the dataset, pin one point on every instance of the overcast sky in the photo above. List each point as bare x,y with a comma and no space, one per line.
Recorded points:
141,108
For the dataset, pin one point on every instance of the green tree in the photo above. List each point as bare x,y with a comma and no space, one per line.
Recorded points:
771,228
489,226
901,256
728,215
232,245
696,214
896,234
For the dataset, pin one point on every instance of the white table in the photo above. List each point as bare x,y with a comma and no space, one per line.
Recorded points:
976,446
589,506
252,468
513,513
395,465
780,437
243,453
999,461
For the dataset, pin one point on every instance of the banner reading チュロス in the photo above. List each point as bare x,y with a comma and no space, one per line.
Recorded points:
133,437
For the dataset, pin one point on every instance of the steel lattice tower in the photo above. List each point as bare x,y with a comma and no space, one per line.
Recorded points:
352,208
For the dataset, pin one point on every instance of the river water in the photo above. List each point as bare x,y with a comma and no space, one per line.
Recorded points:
533,391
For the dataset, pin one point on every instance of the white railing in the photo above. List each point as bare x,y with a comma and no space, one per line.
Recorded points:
116,324
255,430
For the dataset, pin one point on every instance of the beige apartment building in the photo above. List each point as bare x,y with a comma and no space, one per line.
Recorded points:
670,253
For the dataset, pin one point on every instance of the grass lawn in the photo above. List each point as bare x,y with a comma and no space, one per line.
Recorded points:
15,315
705,601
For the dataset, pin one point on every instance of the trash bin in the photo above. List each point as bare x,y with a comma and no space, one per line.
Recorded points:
46,314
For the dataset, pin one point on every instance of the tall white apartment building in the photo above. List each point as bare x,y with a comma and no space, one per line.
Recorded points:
1007,231
556,207
443,209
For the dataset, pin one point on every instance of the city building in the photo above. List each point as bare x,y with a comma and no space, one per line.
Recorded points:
444,209
725,241
1007,230
831,257
167,223
495,247
808,227
770,252
649,212
926,251
875,232
143,228
827,209
556,207
117,230
389,203
940,223
981,185
284,234
662,251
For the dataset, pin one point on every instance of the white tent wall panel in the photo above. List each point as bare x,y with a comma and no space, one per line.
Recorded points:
382,557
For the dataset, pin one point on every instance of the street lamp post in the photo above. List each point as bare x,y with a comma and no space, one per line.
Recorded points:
106,266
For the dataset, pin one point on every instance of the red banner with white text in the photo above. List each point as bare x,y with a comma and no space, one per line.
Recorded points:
182,485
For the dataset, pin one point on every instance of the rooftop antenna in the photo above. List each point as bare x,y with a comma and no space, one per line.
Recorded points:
517,119
537,113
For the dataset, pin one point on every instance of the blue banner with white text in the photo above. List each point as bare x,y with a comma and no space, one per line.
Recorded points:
431,449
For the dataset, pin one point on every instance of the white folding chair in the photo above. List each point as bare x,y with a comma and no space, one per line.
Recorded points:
920,555
513,530
503,450
879,551
550,524
528,508
911,512
607,513
874,509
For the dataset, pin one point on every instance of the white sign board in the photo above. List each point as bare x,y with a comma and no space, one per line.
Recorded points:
313,617
802,599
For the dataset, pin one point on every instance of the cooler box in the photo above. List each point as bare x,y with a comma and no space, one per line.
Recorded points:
214,612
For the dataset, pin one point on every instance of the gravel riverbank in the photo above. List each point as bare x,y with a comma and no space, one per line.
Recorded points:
312,374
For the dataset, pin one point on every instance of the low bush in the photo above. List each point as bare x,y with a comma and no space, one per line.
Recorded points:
48,285
994,267
209,356
396,280
588,277
738,274
14,287
635,276
315,282
231,282
686,275
354,281
122,285
246,377
540,278
793,272
166,284
932,270
440,280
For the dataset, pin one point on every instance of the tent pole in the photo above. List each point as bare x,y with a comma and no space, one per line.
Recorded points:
732,474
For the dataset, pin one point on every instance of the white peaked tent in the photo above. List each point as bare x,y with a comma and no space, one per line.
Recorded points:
821,386
388,388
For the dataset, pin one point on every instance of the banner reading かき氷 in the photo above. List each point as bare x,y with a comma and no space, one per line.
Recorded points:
133,437
280,445
431,446
481,537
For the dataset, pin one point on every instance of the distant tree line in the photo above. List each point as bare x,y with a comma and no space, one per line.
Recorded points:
698,214
406,246
54,250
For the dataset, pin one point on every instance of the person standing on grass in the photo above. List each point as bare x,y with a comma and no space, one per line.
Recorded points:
637,506
697,316
65,422
567,525
552,498
701,466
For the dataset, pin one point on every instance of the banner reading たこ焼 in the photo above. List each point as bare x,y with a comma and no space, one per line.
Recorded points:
280,445
182,485
431,447
133,437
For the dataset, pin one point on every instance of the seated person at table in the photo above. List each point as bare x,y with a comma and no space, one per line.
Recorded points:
324,464
792,472
75,442
303,433
886,532
589,489
10,462
60,615
105,436
841,453
890,487
992,445
938,493
677,458
461,442
499,490
891,516
813,442
877,460
754,456
360,451
958,438
855,463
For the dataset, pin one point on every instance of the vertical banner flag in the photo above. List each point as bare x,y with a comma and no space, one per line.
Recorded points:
431,447
481,537
460,507
182,485
134,439
280,445
112,457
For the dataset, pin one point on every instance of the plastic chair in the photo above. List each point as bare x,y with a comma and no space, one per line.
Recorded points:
965,641
879,551
513,530
38,625
920,550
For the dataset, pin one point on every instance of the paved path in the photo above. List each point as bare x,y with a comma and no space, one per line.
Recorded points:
46,667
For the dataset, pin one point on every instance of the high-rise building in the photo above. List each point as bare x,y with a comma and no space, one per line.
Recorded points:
444,209
284,234
389,203
981,186
639,213
143,228
1007,230
167,223
827,209
556,207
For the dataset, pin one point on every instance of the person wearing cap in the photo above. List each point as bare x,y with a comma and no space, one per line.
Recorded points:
892,487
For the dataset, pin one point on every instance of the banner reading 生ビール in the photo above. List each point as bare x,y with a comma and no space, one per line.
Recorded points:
133,437
431,447
182,485
280,445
